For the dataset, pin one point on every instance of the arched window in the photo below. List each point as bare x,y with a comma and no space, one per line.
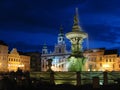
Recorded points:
59,50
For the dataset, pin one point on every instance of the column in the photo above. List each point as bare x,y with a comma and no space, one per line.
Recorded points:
52,78
78,78
105,78
96,82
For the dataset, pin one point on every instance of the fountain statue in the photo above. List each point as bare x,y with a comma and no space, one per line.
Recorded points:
49,65
76,61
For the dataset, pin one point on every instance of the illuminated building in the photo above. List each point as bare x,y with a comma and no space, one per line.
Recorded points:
18,60
3,57
58,56
98,59
102,60
13,60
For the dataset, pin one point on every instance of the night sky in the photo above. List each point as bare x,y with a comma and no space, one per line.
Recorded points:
28,24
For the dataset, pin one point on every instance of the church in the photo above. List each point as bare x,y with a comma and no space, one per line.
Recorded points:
58,56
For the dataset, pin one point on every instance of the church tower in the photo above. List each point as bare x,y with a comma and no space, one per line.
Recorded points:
61,46
61,38
44,49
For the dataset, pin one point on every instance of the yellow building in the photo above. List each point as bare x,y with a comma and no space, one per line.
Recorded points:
3,57
102,60
13,60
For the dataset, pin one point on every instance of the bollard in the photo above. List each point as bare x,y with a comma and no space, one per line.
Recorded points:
52,78
96,82
105,78
78,78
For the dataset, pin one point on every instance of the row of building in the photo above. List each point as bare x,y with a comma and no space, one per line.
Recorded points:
11,61
98,59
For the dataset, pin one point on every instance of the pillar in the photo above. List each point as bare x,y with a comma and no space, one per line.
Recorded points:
78,78
52,78
96,82
105,78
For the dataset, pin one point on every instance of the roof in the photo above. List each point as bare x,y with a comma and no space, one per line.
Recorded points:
113,51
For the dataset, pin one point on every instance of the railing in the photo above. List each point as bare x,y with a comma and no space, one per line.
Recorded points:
77,78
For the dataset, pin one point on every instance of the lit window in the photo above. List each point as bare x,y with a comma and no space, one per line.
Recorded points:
109,60
100,58
106,60
113,66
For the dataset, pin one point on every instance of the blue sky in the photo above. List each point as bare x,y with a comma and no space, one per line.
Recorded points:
27,24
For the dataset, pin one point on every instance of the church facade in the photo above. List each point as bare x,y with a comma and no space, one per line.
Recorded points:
58,56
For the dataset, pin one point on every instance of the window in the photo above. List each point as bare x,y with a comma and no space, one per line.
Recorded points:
109,60
100,64
106,60
100,58
113,66
43,52
59,50
59,39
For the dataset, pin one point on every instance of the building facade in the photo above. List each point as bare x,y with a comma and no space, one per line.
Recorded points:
35,61
18,60
101,59
3,57
58,56
13,60
98,59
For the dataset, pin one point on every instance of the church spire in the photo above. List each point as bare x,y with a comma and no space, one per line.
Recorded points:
76,26
61,36
44,49
61,29
44,46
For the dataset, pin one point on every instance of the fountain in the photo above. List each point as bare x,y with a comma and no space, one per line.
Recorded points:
76,60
